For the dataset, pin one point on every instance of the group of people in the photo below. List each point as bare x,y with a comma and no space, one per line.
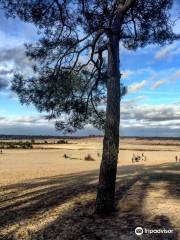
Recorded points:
141,157
138,157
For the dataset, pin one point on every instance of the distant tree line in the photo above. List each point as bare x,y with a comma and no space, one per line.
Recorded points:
14,145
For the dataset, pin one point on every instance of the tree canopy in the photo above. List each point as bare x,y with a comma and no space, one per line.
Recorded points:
70,58
77,65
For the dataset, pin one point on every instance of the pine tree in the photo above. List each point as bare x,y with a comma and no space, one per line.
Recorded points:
77,65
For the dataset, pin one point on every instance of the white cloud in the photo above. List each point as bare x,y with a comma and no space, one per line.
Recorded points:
13,34
164,52
158,83
25,120
175,76
167,51
134,100
127,73
136,86
13,60
167,77
147,115
37,125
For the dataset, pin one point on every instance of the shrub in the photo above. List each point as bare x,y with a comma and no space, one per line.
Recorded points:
11,145
89,158
20,145
25,145
62,141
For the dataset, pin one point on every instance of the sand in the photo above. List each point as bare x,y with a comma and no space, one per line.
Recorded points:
45,196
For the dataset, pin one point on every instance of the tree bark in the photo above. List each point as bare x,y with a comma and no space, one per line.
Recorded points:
108,168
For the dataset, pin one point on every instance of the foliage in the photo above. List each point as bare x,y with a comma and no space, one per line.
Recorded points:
14,145
62,141
70,58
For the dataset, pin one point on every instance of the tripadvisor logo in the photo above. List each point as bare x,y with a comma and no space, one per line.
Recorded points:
139,231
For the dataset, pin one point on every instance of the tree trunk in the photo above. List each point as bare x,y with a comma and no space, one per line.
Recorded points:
108,168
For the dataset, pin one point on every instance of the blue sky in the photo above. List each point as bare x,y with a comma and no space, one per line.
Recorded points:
152,74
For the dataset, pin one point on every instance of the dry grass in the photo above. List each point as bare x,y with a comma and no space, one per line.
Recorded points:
45,196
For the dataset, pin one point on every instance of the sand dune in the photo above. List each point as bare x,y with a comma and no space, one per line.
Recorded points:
45,196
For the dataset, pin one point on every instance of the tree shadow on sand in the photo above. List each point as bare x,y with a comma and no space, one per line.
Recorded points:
62,207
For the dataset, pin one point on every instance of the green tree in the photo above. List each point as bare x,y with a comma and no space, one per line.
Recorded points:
77,65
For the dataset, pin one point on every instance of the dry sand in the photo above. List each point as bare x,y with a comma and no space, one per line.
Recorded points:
45,196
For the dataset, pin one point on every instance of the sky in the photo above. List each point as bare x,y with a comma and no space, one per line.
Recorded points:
152,74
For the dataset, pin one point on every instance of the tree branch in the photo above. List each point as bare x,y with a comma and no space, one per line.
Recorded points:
123,8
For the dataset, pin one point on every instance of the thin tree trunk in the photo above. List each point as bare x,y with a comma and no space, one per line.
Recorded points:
108,168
